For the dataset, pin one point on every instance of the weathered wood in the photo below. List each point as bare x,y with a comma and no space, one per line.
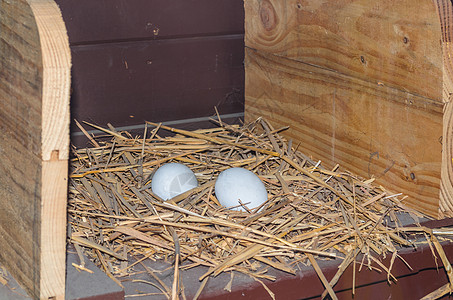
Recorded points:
34,144
360,83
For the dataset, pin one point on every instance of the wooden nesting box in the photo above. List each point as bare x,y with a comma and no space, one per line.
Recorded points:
34,144
365,84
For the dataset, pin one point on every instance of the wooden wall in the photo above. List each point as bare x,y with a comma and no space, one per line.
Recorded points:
360,83
155,60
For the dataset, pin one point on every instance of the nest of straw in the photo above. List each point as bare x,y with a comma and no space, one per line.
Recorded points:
311,213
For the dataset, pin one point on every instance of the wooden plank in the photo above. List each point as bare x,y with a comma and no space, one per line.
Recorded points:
359,82
100,21
127,83
445,12
368,129
34,144
446,191
392,42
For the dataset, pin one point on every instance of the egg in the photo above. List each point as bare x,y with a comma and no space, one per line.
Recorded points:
173,179
237,184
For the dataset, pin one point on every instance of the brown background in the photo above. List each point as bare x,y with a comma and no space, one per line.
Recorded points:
155,60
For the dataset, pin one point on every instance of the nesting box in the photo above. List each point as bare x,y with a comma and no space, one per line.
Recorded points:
365,84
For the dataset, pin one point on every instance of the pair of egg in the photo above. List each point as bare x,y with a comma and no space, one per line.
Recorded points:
232,185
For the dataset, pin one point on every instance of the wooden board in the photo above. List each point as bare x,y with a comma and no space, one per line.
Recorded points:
359,82
103,21
154,60
128,83
445,12
34,144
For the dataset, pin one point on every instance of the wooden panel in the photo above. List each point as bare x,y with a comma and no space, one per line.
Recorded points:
445,11
98,21
392,42
157,80
368,129
34,138
161,60
359,82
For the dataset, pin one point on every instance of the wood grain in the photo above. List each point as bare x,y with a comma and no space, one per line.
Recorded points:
360,84
34,138
445,12
393,42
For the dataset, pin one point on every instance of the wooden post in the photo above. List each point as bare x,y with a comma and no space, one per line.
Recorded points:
445,12
365,84
34,144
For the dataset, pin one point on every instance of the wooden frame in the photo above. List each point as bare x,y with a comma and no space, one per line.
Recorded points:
34,144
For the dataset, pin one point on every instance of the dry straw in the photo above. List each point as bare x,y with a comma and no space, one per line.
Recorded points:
312,213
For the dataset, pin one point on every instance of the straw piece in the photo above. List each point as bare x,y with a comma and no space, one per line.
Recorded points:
86,134
275,265
81,268
439,293
230,283
322,277
175,286
341,268
111,132
138,235
201,288
265,287
95,246
153,284
126,203
444,259
167,290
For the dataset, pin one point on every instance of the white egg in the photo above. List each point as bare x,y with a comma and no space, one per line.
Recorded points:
173,179
240,184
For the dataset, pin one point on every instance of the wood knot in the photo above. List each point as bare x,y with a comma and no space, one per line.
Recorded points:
268,15
55,155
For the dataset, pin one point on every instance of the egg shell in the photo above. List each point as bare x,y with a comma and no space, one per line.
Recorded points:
238,183
173,179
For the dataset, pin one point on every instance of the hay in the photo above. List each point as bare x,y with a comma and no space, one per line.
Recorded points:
311,211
